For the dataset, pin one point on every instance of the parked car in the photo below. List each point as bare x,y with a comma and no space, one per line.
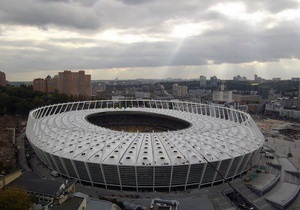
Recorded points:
54,173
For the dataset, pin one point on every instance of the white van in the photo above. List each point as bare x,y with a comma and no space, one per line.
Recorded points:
54,173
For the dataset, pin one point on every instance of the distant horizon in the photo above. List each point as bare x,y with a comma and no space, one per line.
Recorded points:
167,78
223,71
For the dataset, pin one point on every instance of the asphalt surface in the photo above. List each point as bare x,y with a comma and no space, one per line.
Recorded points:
21,152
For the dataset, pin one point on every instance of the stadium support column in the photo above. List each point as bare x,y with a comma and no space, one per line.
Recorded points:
204,110
171,178
103,175
187,176
153,178
64,166
203,172
51,108
55,163
199,109
250,159
88,172
223,111
238,166
77,106
72,106
48,162
136,179
51,152
60,110
66,109
119,175
38,113
230,164
95,104
75,169
216,174
42,113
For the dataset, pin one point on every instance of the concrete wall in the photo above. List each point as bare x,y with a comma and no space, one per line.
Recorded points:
9,178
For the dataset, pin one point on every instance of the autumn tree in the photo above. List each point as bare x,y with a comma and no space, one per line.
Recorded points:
12,199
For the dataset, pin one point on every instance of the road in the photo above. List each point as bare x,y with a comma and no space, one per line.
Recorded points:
21,152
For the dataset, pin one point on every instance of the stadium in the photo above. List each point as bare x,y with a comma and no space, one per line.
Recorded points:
144,145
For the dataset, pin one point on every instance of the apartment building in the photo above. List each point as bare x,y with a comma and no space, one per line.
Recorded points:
71,83
2,79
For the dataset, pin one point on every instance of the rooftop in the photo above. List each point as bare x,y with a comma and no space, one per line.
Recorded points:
71,203
31,182
70,135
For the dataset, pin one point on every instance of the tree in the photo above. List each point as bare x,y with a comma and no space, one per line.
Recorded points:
13,199
20,100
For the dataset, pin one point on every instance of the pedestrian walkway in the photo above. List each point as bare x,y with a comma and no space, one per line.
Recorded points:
255,199
290,178
284,196
221,202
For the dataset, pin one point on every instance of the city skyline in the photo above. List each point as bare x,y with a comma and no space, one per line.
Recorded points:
236,77
138,39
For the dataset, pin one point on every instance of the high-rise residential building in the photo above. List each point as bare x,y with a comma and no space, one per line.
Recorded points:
202,81
255,77
71,83
2,79
47,85
213,81
175,89
295,79
39,84
239,78
258,79
52,84
74,83
180,91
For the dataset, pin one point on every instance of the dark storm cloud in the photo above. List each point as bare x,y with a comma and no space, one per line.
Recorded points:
38,13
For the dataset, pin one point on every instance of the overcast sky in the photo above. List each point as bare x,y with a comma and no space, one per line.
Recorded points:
132,39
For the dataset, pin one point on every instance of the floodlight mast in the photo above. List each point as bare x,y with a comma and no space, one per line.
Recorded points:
235,190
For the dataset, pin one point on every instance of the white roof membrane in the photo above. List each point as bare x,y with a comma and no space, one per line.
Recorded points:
70,135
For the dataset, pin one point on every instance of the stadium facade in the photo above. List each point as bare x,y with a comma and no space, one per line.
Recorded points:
168,152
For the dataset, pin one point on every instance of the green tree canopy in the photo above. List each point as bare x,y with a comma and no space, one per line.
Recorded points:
20,100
